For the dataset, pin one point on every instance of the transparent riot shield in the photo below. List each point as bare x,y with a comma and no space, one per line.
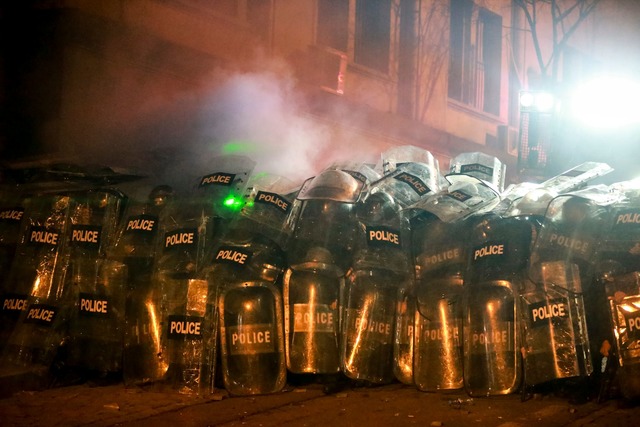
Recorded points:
369,316
251,338
136,248
381,274
38,281
13,295
486,168
498,254
532,199
621,360
438,325
312,291
618,273
554,312
188,337
440,234
12,210
96,326
320,250
247,268
244,275
440,265
555,336
188,322
464,196
97,286
410,174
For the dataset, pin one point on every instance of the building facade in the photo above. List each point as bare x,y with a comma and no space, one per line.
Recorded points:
337,79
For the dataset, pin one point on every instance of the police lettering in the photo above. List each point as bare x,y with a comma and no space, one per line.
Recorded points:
86,236
179,239
443,256
184,327
217,178
568,242
548,311
315,318
11,214
273,199
459,195
493,337
476,167
320,318
14,304
253,337
416,184
141,224
628,218
39,236
373,326
439,334
488,250
634,324
93,306
231,255
384,236
42,314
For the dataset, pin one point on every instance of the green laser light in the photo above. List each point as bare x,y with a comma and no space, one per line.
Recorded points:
232,202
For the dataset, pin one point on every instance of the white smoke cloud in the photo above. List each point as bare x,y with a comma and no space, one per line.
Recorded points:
123,115
258,114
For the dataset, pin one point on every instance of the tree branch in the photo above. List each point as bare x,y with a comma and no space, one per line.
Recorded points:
561,30
531,16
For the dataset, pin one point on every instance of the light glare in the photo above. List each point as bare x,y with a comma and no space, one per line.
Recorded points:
526,99
537,102
607,102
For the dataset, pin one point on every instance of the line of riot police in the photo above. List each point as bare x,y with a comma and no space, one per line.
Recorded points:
363,273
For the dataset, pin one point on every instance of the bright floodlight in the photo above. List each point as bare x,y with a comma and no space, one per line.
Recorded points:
537,102
607,102
526,100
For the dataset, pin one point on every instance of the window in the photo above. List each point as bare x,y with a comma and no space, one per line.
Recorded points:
373,33
370,31
475,56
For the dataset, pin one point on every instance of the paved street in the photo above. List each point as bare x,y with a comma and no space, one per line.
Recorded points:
391,405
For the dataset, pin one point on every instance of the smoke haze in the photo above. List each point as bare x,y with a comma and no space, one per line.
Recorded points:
158,125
